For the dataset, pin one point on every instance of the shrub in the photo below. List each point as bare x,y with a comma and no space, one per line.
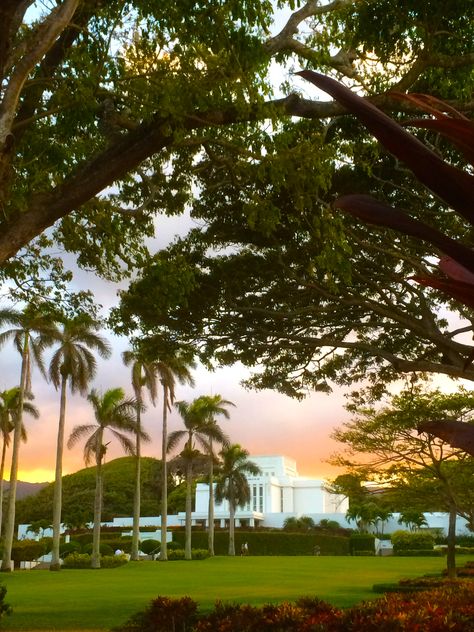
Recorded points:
69,547
104,548
150,546
27,550
176,554
420,553
4,607
448,607
77,560
163,615
83,560
361,542
405,540
271,542
200,554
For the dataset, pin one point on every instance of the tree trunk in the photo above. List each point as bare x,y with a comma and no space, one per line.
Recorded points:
58,482
210,518
2,473
188,526
451,553
10,519
137,495
95,560
231,526
164,479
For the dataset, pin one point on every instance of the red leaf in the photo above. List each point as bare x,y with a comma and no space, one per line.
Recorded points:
457,433
451,184
429,103
375,212
462,292
459,132
456,271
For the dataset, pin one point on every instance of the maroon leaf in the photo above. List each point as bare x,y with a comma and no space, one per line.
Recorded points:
462,292
430,104
375,212
454,270
460,133
451,184
457,433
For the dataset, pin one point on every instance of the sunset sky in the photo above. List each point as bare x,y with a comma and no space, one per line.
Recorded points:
263,422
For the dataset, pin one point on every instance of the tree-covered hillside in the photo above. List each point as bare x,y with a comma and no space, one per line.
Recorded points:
78,494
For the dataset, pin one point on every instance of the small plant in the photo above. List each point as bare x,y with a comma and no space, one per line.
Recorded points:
163,615
148,547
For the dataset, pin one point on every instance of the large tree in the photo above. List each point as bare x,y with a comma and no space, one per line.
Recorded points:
198,430
232,484
384,444
31,332
213,406
9,402
128,93
143,376
116,414
72,363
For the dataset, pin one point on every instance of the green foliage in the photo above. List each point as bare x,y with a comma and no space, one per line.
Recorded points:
78,491
361,542
420,552
149,546
5,608
105,549
83,560
69,547
271,542
26,551
405,540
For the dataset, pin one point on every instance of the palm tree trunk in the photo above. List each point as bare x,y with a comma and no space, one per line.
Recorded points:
231,527
210,517
2,473
58,482
95,559
188,527
164,478
137,495
451,553
10,519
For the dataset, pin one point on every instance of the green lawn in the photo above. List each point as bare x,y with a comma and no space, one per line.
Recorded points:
101,599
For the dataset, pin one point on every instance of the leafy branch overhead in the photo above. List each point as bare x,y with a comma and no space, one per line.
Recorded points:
455,186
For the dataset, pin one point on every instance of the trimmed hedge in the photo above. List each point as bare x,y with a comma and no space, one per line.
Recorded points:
362,544
83,560
420,553
27,551
270,542
405,540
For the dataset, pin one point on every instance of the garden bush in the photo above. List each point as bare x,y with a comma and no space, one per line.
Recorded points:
361,542
405,540
447,607
69,547
150,546
104,548
176,554
270,542
83,560
26,551
421,553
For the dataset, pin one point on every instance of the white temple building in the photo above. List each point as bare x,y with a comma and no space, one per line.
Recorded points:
276,494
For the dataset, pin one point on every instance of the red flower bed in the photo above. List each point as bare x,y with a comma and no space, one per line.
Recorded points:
449,608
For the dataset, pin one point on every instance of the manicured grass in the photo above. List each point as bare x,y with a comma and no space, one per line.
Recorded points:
101,599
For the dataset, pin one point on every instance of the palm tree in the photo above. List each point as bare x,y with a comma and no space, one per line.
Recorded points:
143,374
9,401
169,369
213,406
114,413
232,484
32,332
197,430
73,362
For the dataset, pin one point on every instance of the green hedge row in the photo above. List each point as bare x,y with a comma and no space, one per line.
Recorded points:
419,553
270,543
362,543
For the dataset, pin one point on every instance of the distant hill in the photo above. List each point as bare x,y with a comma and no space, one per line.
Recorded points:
79,488
24,489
